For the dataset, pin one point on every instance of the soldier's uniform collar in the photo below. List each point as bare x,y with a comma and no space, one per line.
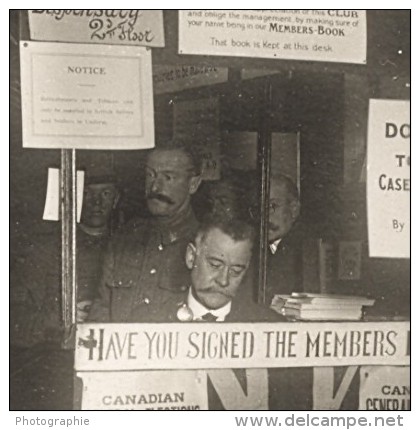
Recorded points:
183,227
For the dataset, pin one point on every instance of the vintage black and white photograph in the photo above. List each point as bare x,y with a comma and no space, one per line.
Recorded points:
209,210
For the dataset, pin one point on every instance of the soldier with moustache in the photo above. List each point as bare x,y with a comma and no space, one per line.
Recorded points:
146,260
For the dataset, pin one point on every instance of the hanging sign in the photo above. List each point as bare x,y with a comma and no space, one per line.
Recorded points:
197,122
384,388
388,178
178,78
246,345
86,96
108,26
314,35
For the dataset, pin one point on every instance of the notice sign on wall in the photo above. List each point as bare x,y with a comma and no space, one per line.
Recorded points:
385,388
86,96
315,35
110,26
388,178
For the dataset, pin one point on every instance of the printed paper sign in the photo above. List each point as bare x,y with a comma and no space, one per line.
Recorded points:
182,390
52,200
108,26
177,78
246,345
388,178
86,96
384,388
314,35
197,122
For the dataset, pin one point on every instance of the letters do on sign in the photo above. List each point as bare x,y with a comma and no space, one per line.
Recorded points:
388,178
110,26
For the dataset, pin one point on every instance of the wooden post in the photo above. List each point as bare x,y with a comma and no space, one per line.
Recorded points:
68,243
264,157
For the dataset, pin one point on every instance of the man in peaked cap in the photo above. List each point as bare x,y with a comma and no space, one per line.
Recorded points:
101,196
37,308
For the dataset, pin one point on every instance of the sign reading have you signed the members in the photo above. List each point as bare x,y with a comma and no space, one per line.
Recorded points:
388,178
110,26
263,345
86,96
315,35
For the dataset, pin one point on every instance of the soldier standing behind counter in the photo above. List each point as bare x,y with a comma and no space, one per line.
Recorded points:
36,315
147,258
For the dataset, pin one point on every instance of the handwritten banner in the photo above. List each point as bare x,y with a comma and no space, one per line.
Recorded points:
388,178
314,35
178,78
86,96
110,26
246,345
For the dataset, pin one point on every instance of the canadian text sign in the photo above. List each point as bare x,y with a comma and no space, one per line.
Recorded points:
110,26
315,35
86,96
384,388
156,390
246,345
174,390
388,178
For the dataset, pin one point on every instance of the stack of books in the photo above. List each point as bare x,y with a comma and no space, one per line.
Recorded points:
321,307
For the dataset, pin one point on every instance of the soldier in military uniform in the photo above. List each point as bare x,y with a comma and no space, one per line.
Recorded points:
147,258
36,317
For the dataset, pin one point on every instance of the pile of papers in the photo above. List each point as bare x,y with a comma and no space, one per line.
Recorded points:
321,307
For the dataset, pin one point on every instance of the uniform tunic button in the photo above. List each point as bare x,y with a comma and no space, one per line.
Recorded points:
160,247
153,271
